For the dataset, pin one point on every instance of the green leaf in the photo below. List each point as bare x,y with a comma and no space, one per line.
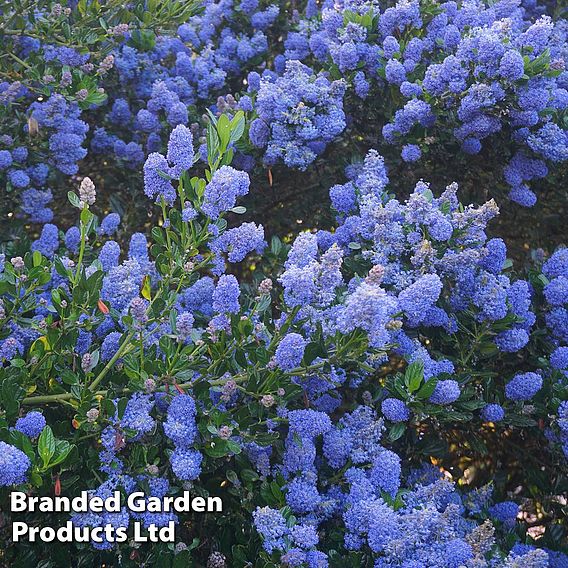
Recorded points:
248,475
74,199
36,479
277,492
22,442
46,446
427,389
218,449
12,393
264,303
396,431
63,448
146,288
143,40
234,447
413,376
224,131
86,216
268,496
237,126
212,144
275,245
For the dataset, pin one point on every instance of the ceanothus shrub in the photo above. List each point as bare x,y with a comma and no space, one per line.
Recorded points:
58,73
415,270
155,370
458,78
356,483
308,386
444,74
552,345
298,114
150,354
466,77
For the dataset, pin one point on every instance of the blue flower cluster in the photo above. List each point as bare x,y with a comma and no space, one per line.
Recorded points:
403,317
298,114
554,276
157,88
361,499
32,424
15,465
430,266
27,171
181,429
460,77
446,74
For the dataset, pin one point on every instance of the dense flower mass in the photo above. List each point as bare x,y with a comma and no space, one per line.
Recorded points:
302,112
31,424
449,74
15,465
386,386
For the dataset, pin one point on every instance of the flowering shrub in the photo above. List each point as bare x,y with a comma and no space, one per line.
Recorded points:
449,75
167,373
384,388
450,78
60,59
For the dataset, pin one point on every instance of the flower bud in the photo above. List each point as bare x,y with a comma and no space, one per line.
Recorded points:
87,193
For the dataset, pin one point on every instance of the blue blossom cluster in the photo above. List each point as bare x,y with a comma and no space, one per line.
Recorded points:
358,493
32,424
15,465
554,276
446,74
26,171
292,391
430,266
180,427
43,120
298,114
158,87
461,78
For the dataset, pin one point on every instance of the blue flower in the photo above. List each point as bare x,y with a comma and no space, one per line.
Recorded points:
14,465
411,153
157,175
241,240
445,392
222,191
48,242
504,511
302,496
226,295
523,386
137,415
186,463
386,472
271,525
180,149
180,425
395,410
290,351
32,424
109,224
493,413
